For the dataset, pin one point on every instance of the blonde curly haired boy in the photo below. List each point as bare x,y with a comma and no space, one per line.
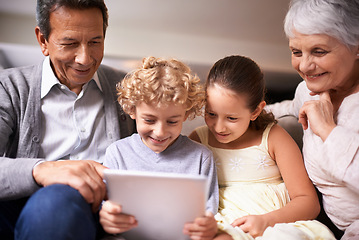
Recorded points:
160,95
160,81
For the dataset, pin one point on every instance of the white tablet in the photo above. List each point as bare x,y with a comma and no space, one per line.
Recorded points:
161,202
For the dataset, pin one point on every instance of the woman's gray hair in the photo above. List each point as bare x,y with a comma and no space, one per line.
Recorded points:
335,18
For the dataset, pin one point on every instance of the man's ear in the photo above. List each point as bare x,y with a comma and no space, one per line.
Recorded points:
258,110
42,41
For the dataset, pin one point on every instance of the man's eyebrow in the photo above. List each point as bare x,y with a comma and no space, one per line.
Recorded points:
73,39
68,39
97,37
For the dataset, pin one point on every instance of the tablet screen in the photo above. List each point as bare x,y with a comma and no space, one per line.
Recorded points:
161,202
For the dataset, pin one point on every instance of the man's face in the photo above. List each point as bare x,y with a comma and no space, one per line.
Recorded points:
75,45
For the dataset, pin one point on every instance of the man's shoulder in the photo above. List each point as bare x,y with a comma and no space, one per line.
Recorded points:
17,71
110,76
110,72
21,77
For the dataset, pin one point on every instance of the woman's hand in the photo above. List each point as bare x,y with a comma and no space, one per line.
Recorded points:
252,224
113,220
319,114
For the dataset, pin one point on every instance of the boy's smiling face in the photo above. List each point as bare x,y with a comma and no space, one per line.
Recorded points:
159,126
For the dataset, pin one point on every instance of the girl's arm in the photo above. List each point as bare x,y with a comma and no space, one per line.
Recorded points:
304,204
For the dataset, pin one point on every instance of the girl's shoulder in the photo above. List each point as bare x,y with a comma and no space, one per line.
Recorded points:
277,134
279,140
200,134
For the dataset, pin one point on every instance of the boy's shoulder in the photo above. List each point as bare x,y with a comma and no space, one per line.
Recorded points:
195,145
124,141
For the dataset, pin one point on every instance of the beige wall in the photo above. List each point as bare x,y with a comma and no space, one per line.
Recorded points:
126,43
125,47
17,29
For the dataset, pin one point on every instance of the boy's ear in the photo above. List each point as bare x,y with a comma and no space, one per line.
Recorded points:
133,116
132,113
258,110
186,116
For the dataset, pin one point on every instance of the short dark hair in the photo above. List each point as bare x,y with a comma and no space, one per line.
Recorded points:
45,7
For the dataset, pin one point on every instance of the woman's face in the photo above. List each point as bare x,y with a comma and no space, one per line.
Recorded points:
324,62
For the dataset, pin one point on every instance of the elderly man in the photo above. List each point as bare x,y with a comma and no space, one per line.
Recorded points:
63,109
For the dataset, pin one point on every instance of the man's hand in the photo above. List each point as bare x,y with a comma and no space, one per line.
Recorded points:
86,176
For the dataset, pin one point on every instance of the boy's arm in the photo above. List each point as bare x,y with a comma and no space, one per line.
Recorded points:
209,169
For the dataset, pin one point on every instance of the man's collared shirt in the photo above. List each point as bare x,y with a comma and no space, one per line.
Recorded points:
73,126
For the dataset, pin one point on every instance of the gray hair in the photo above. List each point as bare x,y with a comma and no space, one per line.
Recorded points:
45,7
335,18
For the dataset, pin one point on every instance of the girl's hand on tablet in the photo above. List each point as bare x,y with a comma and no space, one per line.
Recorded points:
201,228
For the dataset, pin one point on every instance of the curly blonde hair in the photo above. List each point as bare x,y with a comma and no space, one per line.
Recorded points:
160,81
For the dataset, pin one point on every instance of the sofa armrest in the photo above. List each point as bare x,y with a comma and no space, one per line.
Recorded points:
295,130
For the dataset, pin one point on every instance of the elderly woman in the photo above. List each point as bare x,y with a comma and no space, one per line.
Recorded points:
324,41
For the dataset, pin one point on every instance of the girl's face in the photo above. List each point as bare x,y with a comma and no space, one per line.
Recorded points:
159,126
323,62
227,115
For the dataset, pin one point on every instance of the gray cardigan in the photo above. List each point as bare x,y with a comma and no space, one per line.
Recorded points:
20,124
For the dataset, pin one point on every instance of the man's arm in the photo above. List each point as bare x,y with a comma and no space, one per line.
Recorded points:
16,179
